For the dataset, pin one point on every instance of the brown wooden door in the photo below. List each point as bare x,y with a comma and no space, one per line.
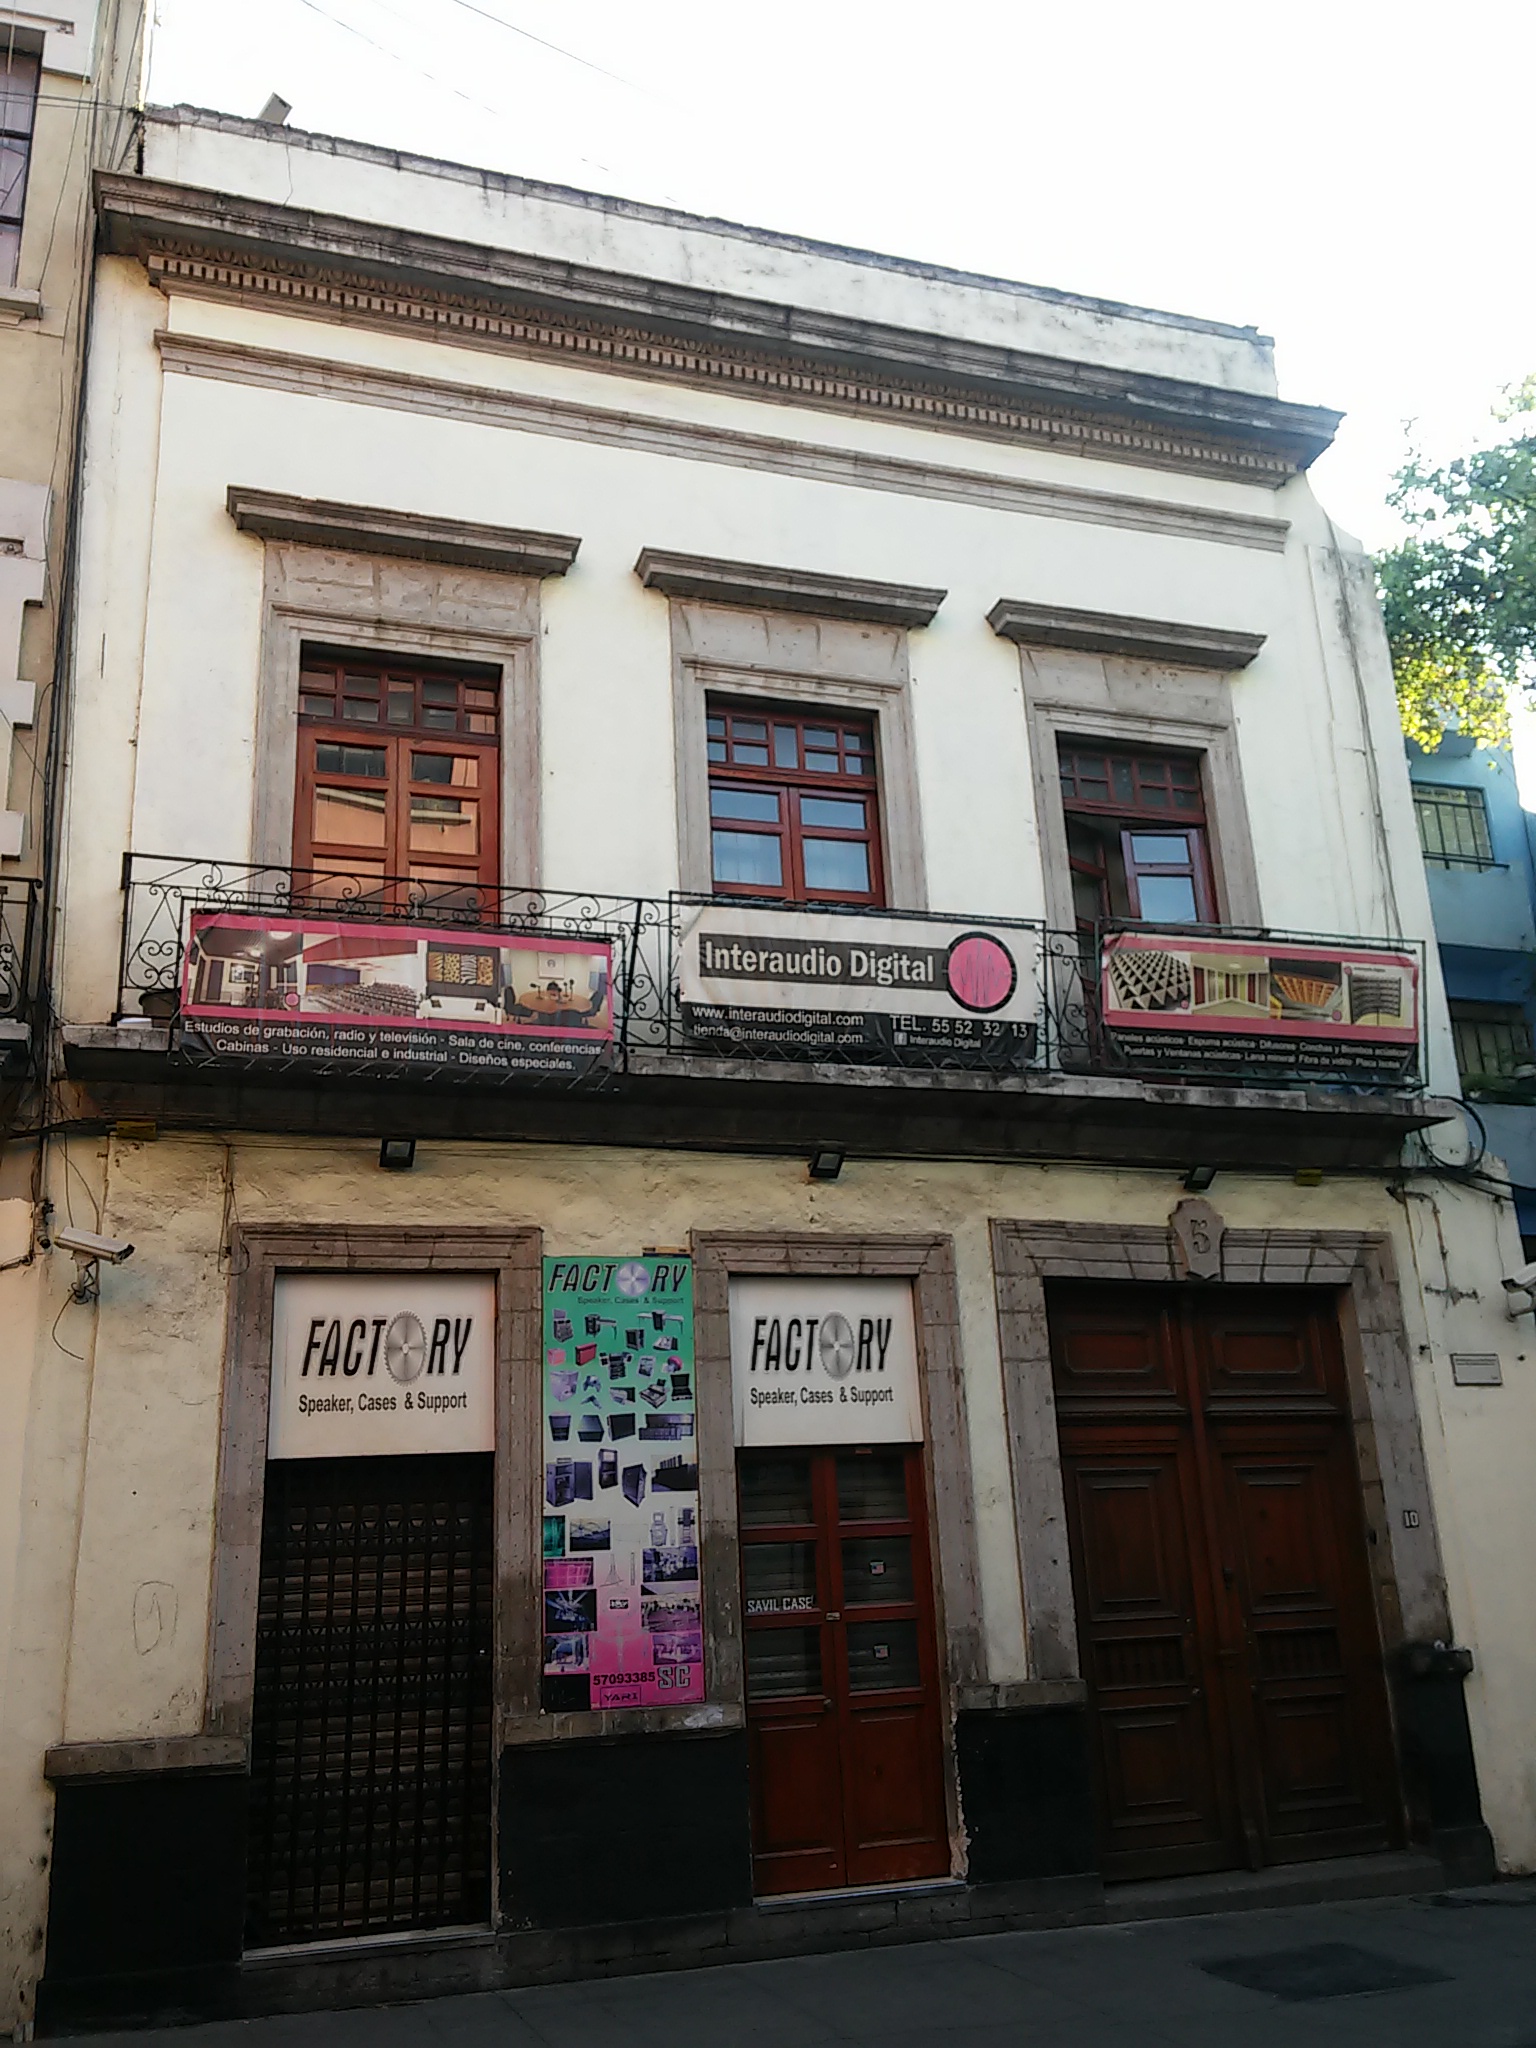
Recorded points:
842,1670
1219,1566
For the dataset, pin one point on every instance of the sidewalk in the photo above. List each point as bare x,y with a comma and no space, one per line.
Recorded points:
1458,1968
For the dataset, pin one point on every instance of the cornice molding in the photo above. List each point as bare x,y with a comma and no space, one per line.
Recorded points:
215,245
371,530
787,590
1048,625
312,376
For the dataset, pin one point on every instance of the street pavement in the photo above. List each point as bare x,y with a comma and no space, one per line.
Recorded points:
1298,1977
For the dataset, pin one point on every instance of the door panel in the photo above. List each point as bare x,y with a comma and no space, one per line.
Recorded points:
1129,1523
842,1670
1227,1631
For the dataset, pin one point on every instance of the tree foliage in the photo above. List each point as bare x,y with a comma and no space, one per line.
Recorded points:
1459,592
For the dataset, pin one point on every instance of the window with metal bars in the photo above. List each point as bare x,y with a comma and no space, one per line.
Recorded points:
1493,1042
794,806
19,74
1453,826
371,1720
399,775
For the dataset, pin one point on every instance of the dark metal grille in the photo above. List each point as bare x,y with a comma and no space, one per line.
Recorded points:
371,1743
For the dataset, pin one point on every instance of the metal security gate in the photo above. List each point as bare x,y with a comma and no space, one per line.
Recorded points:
371,1739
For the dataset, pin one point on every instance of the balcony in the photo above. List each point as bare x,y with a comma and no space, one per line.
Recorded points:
281,995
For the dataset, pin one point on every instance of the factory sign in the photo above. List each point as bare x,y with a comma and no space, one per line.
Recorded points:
376,1364
461,998
824,1361
891,989
1269,1009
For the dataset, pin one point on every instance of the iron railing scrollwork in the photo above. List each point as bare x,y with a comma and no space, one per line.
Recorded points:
647,936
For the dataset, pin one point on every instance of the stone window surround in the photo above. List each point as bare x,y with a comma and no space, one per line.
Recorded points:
929,1263
1407,1575
259,1254
804,661
383,605
1110,697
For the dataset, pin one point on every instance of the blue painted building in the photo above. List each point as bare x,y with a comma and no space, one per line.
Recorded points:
1478,850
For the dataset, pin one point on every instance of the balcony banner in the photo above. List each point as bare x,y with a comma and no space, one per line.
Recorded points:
623,1625
1265,1008
893,990
395,995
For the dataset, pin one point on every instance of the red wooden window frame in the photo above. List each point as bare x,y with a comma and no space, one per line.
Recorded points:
1146,796
766,765
367,729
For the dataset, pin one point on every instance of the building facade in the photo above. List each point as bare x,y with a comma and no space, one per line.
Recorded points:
744,949
69,87
1476,837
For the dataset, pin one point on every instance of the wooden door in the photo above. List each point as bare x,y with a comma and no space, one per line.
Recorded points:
1219,1567
842,1670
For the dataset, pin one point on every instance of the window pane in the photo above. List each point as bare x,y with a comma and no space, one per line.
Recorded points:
774,1491
780,1578
445,824
402,705
814,737
717,750
786,747
18,90
335,757
842,816
750,729
751,858
462,771
358,882
349,817
882,1656
1122,781
317,707
440,721
10,253
358,711
761,806
783,1663
836,864
822,764
439,692
1160,849
13,178
1166,899
872,1487
876,1569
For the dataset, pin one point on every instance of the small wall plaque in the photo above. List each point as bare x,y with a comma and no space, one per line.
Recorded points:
1477,1369
1198,1230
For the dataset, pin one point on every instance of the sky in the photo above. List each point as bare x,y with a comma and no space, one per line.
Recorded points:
1349,176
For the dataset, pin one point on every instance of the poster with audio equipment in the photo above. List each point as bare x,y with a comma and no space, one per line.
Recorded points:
623,1615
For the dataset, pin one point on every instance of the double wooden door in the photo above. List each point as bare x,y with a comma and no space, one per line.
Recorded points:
842,1670
1219,1565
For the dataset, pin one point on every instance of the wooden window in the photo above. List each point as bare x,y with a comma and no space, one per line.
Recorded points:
1136,836
1493,1042
19,72
1453,826
399,783
794,806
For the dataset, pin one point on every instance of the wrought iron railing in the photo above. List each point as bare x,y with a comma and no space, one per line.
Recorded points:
1072,1029
18,934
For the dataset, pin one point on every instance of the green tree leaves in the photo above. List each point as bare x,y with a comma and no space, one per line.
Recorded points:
1459,593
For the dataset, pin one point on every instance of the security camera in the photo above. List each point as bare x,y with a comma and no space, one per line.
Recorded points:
88,1247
